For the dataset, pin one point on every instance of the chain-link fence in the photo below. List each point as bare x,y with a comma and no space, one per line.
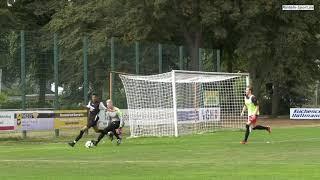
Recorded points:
41,70
42,73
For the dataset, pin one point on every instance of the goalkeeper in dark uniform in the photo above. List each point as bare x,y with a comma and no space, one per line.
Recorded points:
94,107
114,115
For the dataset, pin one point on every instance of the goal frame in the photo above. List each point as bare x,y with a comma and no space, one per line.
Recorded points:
173,74
174,78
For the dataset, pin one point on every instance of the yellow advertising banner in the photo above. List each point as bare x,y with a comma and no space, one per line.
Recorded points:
211,98
68,119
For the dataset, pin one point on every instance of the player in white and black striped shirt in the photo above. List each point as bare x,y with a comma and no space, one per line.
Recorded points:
94,107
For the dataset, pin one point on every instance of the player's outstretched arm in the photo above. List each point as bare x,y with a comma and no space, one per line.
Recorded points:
84,106
88,106
243,110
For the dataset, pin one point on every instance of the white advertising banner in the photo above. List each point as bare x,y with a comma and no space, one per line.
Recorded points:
34,120
209,114
157,116
7,122
305,113
190,115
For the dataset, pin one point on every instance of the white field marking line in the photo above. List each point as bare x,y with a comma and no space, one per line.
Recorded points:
32,148
32,145
100,161
12,148
284,141
139,162
28,149
19,149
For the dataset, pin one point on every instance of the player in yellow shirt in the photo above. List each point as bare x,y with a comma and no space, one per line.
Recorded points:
251,104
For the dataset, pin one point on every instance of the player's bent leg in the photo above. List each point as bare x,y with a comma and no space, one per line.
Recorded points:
117,136
96,129
269,129
110,134
102,134
95,143
83,129
119,132
251,126
116,125
259,127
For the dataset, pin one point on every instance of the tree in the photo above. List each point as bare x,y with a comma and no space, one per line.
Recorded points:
7,19
8,46
32,15
277,45
278,48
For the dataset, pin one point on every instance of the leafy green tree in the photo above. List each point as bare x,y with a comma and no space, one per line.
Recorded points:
279,46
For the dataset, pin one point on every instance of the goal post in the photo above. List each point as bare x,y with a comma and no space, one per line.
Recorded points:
184,102
174,96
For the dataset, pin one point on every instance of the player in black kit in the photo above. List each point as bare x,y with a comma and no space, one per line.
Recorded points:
94,107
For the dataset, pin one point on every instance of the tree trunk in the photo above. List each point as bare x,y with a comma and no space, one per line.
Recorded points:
252,72
193,42
275,100
254,81
230,61
194,57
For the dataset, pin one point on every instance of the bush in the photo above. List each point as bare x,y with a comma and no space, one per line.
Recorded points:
3,98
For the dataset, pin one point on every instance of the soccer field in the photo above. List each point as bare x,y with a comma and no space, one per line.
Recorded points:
293,153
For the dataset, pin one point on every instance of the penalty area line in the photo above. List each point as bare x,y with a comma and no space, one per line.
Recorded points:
137,162
269,140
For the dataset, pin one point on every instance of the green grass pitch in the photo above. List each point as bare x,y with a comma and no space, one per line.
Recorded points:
293,153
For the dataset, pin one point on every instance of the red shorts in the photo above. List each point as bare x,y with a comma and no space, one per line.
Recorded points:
252,119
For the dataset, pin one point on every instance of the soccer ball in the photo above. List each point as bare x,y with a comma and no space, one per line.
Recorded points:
89,144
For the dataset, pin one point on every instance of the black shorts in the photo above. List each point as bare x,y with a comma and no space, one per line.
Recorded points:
92,122
112,126
115,124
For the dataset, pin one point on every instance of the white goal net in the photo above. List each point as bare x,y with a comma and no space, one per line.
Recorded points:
184,102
